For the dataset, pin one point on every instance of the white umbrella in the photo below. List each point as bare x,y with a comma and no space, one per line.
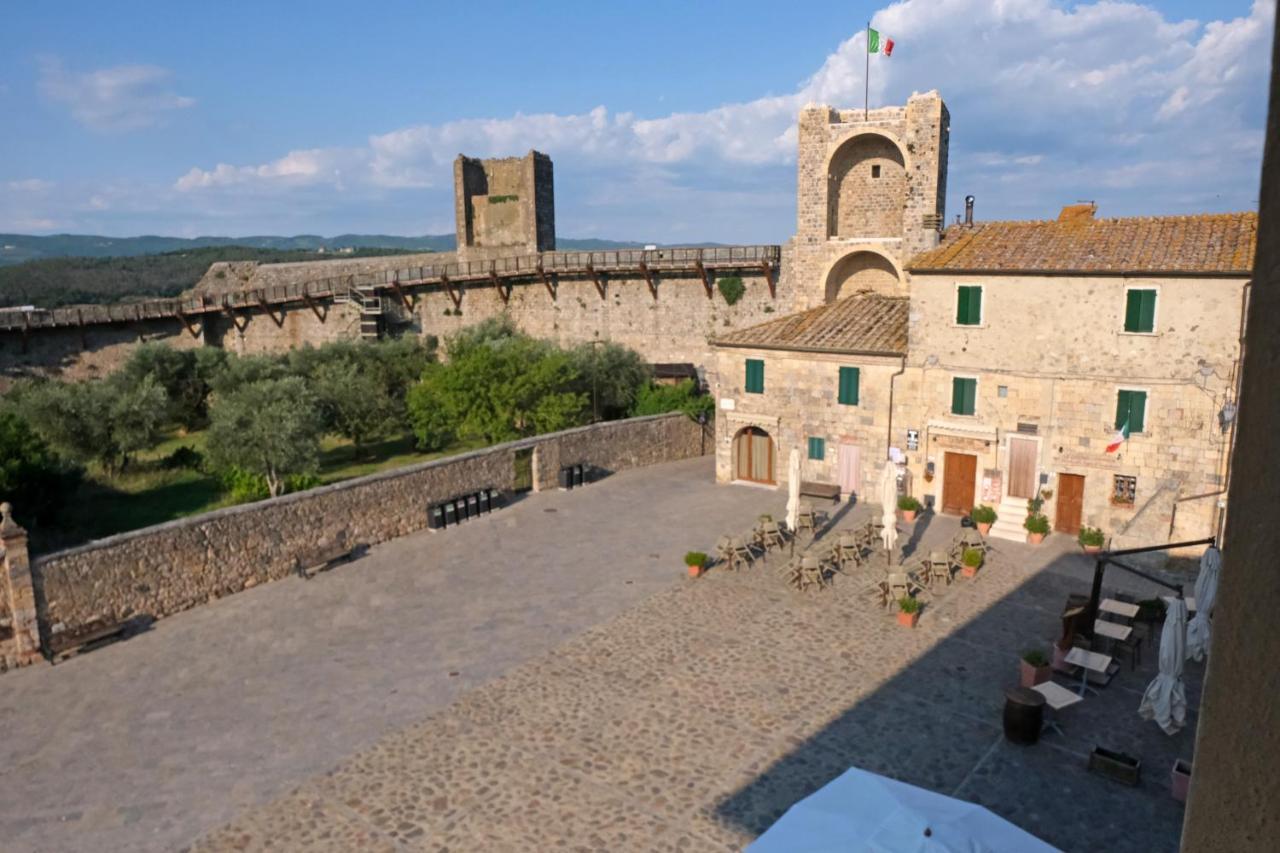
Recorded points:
1166,700
793,489
863,811
1206,592
889,504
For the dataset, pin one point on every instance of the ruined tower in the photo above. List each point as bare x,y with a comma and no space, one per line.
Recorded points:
504,206
870,195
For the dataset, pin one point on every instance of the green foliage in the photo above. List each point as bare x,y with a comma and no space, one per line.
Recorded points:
1091,536
983,514
1035,657
695,558
183,374
502,199
183,457
360,410
731,288
105,421
1034,505
271,427
611,374
906,503
655,399
433,422
972,557
32,477
907,604
243,486
1037,523
239,371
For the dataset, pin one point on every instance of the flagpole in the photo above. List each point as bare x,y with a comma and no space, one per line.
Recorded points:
866,79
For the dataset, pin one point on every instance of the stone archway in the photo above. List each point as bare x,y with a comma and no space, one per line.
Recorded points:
867,188
863,270
753,456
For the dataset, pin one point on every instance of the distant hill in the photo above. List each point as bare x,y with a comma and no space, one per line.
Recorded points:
20,248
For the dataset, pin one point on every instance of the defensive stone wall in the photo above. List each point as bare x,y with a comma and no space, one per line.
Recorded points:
162,570
504,206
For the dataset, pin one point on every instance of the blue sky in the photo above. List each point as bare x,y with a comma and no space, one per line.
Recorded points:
667,121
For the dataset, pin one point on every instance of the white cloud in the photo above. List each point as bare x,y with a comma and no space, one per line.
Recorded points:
120,98
30,185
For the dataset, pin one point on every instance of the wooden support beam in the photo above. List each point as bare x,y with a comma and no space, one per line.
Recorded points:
404,297
767,269
315,308
648,277
504,292
266,306
187,323
595,277
706,279
455,295
237,320
546,281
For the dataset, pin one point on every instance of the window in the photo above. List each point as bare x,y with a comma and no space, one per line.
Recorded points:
1124,490
964,396
1131,409
875,171
1140,310
969,305
817,448
848,386
755,376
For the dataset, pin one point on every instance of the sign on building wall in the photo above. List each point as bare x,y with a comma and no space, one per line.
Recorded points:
727,404
913,439
992,484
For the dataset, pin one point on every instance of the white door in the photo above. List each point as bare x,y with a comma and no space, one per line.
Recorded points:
849,468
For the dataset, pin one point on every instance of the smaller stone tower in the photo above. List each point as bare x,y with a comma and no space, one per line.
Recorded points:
870,195
504,206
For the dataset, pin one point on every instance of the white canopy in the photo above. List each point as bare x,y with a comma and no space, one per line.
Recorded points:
1166,700
793,489
889,504
865,812
1198,628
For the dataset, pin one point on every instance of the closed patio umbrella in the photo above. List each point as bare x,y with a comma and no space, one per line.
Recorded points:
863,811
1166,699
1206,592
793,489
889,504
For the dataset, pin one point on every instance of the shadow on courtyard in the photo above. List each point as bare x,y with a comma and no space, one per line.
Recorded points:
937,724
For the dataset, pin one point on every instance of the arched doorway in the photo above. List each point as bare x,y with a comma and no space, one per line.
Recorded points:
868,190
753,456
863,270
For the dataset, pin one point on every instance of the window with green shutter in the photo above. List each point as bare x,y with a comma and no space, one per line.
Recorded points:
969,305
817,448
964,396
1131,408
755,376
1140,311
848,386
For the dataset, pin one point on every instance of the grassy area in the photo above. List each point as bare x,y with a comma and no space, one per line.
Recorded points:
148,493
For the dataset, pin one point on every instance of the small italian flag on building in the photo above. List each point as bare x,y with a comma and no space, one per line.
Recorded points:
877,43
1121,436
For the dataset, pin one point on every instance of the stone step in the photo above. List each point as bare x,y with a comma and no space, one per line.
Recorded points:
1010,515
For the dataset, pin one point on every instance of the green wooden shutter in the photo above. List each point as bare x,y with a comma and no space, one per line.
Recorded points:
964,396
975,305
849,386
971,396
1122,407
1140,311
817,448
968,305
755,376
1131,406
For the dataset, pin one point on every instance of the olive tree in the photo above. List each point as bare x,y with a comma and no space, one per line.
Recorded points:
270,427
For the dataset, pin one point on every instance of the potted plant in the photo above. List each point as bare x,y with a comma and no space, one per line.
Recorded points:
908,611
972,560
983,516
696,561
1180,780
1091,539
1034,668
1037,526
909,506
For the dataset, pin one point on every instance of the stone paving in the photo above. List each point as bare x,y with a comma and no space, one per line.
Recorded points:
694,719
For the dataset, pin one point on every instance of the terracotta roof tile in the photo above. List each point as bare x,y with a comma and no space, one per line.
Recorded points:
864,323
1213,243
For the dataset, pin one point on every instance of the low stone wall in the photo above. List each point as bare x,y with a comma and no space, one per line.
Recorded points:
161,570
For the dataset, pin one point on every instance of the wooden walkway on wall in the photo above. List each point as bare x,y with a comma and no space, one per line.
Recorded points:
501,273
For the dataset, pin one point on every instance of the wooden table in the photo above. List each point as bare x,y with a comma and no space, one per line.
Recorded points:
1088,662
1056,697
1119,608
1112,630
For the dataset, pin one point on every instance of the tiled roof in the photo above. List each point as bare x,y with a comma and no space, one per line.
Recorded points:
1211,243
865,323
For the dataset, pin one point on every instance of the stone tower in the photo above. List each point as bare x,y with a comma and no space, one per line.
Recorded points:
870,196
504,206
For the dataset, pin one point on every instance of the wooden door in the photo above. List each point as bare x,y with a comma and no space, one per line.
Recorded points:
1070,503
754,456
958,476
850,468
1022,468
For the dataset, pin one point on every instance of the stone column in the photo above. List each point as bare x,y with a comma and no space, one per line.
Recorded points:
18,589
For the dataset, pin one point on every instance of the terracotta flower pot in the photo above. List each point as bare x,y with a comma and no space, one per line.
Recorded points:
1033,675
1059,659
1035,538
695,571
984,527
1091,549
1180,780
969,571
908,515
908,619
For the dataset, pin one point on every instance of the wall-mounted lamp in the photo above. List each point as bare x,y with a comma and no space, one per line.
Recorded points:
1227,415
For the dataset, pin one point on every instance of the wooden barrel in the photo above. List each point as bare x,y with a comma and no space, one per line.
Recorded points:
1023,715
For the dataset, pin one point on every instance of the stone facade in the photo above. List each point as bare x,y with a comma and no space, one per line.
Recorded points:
162,570
19,626
504,206
870,194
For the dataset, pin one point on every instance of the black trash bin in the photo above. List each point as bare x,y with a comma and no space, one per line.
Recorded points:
565,478
473,506
483,497
496,497
1023,715
577,475
450,513
435,517
460,508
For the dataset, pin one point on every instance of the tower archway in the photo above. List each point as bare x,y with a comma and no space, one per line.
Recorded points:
864,269
867,189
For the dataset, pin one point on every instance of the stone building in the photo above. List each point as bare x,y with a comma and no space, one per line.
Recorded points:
504,206
995,361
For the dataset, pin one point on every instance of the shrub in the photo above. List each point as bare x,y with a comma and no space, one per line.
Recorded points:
983,514
243,486
731,288
1035,657
1037,523
972,557
1091,536
183,457
907,604
906,503
695,558
654,399
32,476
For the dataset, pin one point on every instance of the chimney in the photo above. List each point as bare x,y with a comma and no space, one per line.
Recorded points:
968,210
1079,213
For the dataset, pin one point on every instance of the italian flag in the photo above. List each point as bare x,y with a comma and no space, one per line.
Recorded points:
875,45
1121,436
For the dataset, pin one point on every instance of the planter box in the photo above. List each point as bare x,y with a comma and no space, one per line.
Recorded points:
1033,675
1180,780
1117,766
908,619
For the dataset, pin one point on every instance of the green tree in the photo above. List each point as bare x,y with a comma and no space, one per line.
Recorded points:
271,427
655,399
434,422
183,374
242,370
103,421
611,376
355,405
32,477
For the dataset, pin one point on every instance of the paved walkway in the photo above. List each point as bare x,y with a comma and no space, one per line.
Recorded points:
146,744
694,719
